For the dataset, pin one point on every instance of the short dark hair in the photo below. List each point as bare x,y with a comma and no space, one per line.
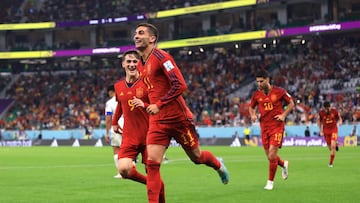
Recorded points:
262,74
110,88
326,104
131,52
152,29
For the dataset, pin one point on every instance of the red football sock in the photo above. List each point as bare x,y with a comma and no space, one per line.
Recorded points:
153,180
280,161
332,159
136,176
273,164
162,193
209,159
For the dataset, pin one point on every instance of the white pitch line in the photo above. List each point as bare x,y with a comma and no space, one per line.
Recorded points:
170,161
56,166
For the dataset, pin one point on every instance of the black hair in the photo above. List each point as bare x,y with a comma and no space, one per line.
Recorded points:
152,29
326,104
262,74
110,88
131,52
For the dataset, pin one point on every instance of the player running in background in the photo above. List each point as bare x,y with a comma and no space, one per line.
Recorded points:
327,122
112,137
269,102
169,115
136,119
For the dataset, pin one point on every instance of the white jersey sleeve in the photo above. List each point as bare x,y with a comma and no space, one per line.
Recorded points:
110,107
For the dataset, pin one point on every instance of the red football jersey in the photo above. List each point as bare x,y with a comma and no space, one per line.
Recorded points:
329,121
136,119
269,105
166,85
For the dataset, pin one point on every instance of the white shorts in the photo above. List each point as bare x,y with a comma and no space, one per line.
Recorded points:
116,139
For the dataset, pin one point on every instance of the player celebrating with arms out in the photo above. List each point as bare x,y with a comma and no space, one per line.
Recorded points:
269,101
169,117
327,122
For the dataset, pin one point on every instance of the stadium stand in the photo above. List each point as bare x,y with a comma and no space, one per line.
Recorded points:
11,11
63,99
62,10
62,93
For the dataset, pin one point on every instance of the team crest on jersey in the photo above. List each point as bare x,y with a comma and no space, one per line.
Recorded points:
273,97
168,65
139,92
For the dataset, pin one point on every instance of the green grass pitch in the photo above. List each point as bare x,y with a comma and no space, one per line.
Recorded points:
85,174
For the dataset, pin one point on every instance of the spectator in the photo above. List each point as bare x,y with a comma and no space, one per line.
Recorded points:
247,133
211,77
307,131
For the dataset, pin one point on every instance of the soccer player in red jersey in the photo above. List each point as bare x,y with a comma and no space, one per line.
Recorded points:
269,102
136,119
327,122
169,116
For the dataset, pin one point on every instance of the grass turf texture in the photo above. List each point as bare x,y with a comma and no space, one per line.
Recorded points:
85,174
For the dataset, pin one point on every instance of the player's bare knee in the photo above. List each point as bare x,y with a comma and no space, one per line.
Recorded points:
124,171
196,160
195,156
272,157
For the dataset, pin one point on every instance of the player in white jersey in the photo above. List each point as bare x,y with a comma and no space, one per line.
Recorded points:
112,137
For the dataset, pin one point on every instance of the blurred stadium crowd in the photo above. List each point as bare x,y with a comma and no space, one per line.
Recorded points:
72,94
69,98
69,10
